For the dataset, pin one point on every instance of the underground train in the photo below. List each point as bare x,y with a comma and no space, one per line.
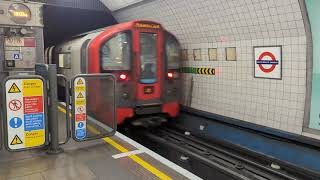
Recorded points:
142,55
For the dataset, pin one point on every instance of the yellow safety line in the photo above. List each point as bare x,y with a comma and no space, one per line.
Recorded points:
137,159
122,149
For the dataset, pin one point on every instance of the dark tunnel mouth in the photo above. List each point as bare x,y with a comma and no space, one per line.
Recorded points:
61,23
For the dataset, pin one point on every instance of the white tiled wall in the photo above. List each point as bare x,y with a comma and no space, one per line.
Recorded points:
234,92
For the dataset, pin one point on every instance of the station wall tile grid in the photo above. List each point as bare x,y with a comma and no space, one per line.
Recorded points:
234,92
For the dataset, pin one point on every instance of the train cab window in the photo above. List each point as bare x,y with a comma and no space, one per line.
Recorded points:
116,52
172,52
148,46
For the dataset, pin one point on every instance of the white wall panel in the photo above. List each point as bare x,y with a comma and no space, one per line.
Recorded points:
234,92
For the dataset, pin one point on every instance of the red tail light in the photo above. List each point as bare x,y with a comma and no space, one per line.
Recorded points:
170,75
123,76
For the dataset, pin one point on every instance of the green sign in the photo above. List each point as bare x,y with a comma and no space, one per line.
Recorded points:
314,14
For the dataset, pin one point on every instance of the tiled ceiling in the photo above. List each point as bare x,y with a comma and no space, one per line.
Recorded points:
114,5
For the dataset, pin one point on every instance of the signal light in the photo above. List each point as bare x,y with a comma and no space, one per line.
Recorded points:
123,76
170,75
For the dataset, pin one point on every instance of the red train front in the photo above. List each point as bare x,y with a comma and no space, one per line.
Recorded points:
143,56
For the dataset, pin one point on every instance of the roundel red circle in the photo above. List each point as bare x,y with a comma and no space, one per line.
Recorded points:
267,70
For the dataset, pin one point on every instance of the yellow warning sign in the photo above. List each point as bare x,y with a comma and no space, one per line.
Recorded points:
81,102
32,87
34,138
80,89
80,95
16,140
80,82
14,89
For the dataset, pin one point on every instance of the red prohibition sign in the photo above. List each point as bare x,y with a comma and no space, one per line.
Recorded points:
15,105
273,66
80,109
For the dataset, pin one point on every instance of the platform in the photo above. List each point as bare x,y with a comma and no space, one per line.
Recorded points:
117,157
108,158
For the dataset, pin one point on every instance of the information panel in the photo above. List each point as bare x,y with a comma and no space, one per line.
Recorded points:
80,108
25,113
93,106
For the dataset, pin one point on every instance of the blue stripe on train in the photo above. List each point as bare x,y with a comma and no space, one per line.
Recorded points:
148,81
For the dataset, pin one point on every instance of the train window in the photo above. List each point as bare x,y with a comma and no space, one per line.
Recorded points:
65,60
148,46
84,56
116,52
172,52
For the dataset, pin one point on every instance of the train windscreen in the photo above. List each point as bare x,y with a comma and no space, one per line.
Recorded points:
148,46
115,53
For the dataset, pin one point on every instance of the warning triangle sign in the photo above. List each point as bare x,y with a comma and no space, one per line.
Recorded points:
80,95
80,82
16,140
14,89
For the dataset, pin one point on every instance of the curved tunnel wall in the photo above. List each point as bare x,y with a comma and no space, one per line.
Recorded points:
64,19
234,92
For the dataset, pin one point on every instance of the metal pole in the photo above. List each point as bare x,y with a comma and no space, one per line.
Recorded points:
53,112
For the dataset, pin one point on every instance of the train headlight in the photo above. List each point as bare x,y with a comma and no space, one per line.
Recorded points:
173,75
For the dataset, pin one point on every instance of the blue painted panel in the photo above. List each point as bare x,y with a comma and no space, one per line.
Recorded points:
148,81
291,148
292,153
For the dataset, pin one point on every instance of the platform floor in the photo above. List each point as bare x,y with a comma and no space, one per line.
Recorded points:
103,159
113,158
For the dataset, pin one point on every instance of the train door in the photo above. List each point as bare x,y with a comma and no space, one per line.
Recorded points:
148,44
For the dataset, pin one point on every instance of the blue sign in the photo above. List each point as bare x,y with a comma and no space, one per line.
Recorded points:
81,133
16,56
80,125
267,62
33,122
15,122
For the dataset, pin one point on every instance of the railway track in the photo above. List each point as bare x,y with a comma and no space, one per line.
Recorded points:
212,160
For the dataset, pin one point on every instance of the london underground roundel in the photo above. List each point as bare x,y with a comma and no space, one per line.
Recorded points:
268,62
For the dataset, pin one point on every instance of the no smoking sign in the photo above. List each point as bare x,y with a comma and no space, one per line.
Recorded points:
268,62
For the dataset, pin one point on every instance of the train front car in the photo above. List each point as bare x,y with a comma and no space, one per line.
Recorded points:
143,56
